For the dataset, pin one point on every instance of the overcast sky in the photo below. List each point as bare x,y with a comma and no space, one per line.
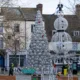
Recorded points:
49,6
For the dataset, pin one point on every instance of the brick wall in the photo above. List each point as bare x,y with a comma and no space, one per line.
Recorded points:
73,21
7,78
66,78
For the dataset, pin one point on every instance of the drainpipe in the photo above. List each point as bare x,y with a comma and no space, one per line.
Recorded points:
25,34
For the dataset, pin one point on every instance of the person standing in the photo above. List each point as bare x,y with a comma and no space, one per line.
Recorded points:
11,70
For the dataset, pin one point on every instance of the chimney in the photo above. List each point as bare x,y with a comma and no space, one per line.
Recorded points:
39,7
78,10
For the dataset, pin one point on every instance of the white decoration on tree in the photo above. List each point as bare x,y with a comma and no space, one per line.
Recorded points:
38,54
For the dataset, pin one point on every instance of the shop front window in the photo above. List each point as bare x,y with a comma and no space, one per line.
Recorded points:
16,60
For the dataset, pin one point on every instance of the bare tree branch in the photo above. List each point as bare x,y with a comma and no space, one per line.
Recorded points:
71,5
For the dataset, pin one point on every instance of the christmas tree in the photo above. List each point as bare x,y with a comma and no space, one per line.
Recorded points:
38,54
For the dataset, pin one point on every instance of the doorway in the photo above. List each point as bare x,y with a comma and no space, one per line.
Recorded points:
1,61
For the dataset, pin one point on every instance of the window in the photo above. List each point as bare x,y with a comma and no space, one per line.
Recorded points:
13,59
17,59
1,42
16,28
22,60
1,24
32,27
9,37
1,27
76,33
75,46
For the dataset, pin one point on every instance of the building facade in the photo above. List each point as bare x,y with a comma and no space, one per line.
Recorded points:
16,27
73,30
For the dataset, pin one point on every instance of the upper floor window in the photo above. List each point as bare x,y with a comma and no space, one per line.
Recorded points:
1,27
1,42
1,24
8,37
16,27
76,33
32,27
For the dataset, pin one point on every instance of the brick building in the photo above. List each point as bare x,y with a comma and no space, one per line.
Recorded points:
73,27
73,30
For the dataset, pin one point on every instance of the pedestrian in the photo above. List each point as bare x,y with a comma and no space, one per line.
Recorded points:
11,70
12,65
18,68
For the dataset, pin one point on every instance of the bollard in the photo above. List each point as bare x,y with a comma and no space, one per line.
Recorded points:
36,77
39,77
65,72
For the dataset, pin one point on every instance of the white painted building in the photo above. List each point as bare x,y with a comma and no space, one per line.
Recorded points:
18,24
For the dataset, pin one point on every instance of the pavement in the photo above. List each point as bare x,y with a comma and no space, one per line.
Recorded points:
23,77
27,77
20,76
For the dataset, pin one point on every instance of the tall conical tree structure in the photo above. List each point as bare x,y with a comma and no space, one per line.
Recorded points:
38,54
